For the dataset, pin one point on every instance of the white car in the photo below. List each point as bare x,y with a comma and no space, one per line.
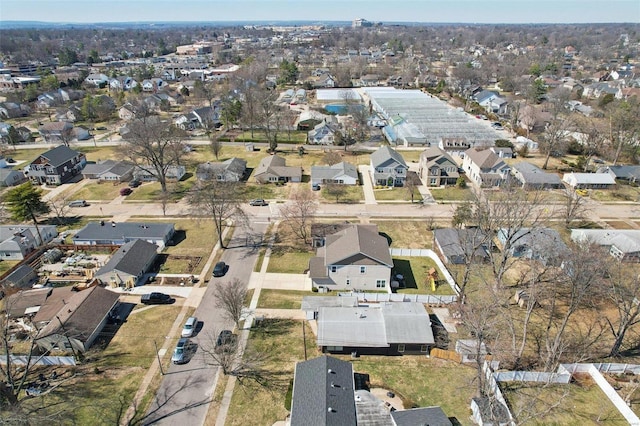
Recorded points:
189,328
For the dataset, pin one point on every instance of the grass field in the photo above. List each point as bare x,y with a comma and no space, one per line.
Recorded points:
580,403
280,299
102,191
451,194
415,272
352,194
397,194
289,262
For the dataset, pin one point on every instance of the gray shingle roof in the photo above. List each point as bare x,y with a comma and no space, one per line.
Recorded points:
59,155
124,230
386,154
533,175
460,242
427,416
357,240
334,171
323,393
131,258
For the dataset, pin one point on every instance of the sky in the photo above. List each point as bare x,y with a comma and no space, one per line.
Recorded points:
467,11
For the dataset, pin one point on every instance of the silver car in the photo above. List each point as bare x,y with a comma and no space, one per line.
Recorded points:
180,352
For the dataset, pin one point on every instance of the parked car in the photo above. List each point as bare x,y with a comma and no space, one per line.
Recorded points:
258,202
496,126
125,191
220,269
156,298
180,352
189,328
225,337
315,187
134,183
78,203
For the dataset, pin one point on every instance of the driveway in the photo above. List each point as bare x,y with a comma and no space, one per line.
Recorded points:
367,184
186,390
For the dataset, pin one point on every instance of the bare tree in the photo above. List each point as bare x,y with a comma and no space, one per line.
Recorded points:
154,146
331,157
555,134
624,128
336,190
59,206
623,290
574,207
230,298
215,144
221,201
299,213
243,364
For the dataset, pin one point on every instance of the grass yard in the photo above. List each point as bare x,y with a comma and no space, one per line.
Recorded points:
289,262
620,193
397,194
152,191
352,194
296,137
581,403
406,234
99,153
5,265
422,381
283,341
451,194
195,237
99,191
415,272
281,299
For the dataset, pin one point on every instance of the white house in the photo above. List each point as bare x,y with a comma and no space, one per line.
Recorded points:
589,180
341,173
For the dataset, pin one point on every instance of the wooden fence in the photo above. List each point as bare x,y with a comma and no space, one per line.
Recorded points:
448,355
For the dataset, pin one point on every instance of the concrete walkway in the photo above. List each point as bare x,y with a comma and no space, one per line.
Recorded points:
367,184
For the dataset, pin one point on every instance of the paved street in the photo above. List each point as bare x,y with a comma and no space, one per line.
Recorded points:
186,390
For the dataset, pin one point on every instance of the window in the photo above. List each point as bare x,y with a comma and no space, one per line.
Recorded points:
424,348
381,283
401,348
363,269
334,268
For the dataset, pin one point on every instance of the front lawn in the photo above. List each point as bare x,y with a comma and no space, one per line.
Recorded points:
288,262
99,190
397,194
347,194
451,194
281,299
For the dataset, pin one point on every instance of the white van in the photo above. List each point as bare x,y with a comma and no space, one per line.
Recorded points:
78,203
189,327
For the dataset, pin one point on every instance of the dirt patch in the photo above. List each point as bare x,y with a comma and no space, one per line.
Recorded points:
390,401
583,380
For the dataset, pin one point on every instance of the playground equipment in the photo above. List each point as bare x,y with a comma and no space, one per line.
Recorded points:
433,279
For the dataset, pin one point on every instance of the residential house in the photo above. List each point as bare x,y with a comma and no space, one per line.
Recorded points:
502,151
109,170
24,276
623,173
10,177
205,117
119,233
460,246
320,231
153,85
13,110
533,177
231,170
122,83
485,168
98,80
55,166
437,168
454,146
323,393
16,241
341,173
356,258
144,173
308,119
623,244
26,302
393,328
543,244
127,112
323,134
322,81
273,168
129,264
57,132
388,167
78,322
492,102
589,180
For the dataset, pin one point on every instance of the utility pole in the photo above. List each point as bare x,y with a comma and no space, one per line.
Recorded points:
304,340
158,355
